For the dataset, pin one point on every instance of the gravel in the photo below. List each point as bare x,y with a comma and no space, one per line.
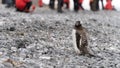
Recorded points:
43,39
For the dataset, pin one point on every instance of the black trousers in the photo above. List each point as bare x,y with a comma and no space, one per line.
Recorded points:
27,7
3,1
60,4
76,5
52,4
102,4
94,5
97,4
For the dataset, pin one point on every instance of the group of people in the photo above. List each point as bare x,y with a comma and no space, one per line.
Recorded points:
27,6
77,4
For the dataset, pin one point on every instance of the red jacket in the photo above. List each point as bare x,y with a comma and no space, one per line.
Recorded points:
66,1
109,5
40,3
80,1
20,4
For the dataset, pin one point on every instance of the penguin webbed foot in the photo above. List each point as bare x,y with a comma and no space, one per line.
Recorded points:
88,55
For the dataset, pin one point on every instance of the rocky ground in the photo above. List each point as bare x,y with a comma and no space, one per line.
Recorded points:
43,39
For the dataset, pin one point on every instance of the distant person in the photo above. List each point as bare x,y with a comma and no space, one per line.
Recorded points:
40,3
94,5
76,5
67,2
9,3
59,5
97,4
3,1
51,4
102,4
80,4
24,6
109,6
90,2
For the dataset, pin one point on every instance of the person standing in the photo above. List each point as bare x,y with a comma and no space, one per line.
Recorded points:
76,5
40,3
51,4
59,5
3,1
102,4
80,4
94,5
9,3
109,6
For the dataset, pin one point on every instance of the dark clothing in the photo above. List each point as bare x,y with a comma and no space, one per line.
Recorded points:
94,5
97,4
3,1
28,5
9,3
51,4
102,4
76,5
60,4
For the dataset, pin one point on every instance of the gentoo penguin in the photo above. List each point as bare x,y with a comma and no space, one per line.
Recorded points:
80,39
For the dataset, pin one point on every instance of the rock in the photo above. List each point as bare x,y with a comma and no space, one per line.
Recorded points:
118,66
1,53
14,49
12,29
8,65
2,66
45,57
23,52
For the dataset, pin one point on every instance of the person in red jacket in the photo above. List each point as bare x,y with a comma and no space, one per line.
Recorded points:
109,6
40,3
80,4
24,5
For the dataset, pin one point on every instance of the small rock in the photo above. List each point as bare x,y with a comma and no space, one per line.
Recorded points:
1,53
118,66
2,66
14,49
45,57
11,29
8,65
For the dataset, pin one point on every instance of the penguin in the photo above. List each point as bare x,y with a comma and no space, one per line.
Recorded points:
80,41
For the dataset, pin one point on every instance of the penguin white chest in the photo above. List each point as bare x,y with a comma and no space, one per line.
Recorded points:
75,42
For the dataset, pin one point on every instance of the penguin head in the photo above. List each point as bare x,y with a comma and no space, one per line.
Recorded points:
78,24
